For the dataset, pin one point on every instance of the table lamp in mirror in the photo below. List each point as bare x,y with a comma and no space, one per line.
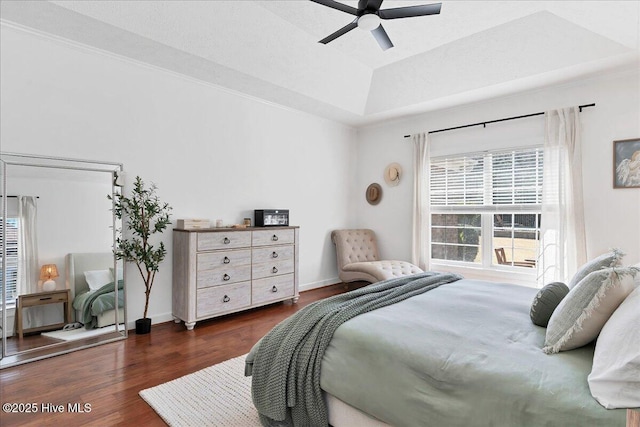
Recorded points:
48,272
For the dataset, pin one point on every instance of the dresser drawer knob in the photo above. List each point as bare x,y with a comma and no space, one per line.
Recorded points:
274,289
274,238
226,299
274,254
226,260
226,277
226,241
274,270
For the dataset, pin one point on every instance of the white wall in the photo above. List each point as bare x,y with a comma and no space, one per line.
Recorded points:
213,154
218,155
612,215
73,216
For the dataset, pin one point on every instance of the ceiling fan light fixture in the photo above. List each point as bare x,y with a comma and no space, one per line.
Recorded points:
369,22
368,16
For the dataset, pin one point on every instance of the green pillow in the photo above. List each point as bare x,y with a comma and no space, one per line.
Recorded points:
609,259
546,300
581,315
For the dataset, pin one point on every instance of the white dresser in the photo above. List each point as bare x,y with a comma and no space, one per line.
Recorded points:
221,271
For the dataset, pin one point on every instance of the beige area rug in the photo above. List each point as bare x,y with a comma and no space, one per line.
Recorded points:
219,395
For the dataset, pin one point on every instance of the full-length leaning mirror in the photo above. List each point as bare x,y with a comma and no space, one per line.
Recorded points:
61,287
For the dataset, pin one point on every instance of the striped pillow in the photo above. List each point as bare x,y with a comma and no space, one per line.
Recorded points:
610,259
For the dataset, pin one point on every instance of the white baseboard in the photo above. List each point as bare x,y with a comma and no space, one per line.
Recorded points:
168,317
319,284
156,318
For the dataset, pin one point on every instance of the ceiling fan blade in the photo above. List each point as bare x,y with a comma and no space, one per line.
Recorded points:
340,32
371,5
382,38
339,6
409,11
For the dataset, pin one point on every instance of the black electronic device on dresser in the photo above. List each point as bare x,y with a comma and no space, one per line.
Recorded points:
271,217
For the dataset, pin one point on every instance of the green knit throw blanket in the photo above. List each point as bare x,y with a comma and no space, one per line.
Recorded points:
286,363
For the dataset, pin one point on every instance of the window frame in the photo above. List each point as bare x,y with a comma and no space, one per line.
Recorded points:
486,268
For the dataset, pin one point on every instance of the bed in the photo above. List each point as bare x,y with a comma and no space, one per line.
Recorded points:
94,308
463,353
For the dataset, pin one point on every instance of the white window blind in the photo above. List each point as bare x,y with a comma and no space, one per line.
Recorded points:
486,204
489,181
457,181
11,276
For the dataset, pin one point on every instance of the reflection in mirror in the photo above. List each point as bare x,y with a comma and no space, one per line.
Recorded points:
62,288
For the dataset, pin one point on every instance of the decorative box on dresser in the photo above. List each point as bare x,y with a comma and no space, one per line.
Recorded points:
218,271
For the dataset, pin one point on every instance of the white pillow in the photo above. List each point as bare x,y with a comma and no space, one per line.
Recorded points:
119,271
97,278
581,315
615,377
609,259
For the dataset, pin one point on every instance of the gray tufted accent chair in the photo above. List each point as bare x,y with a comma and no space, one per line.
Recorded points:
359,259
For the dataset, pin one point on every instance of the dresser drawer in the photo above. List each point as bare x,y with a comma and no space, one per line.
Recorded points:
272,253
221,299
272,288
273,237
221,271
223,275
273,268
223,240
211,260
51,297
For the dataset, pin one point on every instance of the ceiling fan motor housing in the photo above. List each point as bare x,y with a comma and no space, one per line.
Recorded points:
369,21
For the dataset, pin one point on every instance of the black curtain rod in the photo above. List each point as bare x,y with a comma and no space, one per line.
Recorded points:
15,197
484,124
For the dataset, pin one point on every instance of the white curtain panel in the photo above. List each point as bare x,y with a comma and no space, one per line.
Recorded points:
562,241
420,253
28,266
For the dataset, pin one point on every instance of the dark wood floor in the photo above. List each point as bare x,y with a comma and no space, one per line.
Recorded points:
29,342
108,377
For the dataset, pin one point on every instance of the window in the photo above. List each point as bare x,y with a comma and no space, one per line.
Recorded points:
10,287
485,207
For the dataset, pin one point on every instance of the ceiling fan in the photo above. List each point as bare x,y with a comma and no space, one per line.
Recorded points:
368,16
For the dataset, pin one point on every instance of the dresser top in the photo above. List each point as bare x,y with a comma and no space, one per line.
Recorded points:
228,229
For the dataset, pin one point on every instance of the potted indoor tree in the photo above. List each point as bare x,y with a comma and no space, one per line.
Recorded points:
143,215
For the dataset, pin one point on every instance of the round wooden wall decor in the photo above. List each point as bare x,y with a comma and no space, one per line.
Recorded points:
374,193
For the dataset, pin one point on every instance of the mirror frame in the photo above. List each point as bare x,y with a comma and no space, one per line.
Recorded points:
115,171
